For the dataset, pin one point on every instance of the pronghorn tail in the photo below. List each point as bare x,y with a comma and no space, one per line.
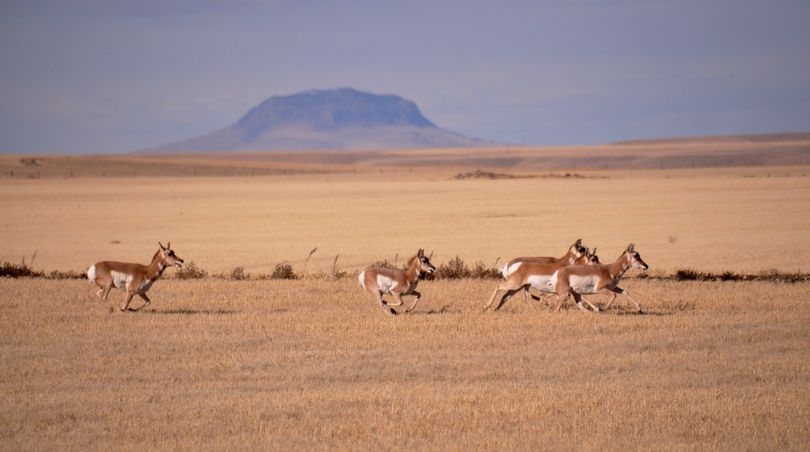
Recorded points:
91,273
362,278
504,270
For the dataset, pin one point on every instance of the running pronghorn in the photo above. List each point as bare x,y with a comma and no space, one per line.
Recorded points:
135,279
574,250
536,275
396,282
581,280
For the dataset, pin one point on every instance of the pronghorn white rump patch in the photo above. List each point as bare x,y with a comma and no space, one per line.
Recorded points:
120,280
540,282
385,284
362,278
512,268
91,273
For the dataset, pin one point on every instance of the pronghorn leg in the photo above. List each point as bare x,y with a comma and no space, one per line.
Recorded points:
595,309
397,298
609,292
127,300
505,297
638,306
100,293
578,300
526,294
146,301
383,305
418,297
107,289
561,299
492,298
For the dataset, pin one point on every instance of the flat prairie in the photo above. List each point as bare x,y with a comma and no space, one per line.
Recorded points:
740,219
314,364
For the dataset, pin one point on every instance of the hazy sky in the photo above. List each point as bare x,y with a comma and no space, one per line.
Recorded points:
117,75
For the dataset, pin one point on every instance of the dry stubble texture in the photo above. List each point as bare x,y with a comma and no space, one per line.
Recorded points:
314,364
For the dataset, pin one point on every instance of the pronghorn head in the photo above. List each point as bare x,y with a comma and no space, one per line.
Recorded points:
424,262
593,259
634,259
168,255
577,250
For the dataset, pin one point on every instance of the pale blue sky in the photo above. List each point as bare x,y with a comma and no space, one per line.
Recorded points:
114,76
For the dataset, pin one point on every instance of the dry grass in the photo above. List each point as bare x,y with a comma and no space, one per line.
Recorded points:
720,220
314,364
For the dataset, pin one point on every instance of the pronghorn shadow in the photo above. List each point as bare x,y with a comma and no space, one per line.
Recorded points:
193,312
443,310
642,314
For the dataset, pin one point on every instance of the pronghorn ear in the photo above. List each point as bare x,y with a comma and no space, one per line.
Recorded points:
420,253
631,247
578,242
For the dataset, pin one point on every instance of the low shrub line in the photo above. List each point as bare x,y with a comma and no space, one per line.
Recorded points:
455,268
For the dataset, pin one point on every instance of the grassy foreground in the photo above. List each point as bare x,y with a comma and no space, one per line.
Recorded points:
315,364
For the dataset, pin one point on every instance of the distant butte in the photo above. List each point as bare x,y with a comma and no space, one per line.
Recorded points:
327,120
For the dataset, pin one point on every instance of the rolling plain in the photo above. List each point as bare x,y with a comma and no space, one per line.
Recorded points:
312,363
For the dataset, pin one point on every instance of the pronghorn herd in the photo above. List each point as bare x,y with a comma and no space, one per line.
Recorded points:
578,272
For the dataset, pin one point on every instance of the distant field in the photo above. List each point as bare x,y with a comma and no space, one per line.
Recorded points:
315,364
747,220
690,153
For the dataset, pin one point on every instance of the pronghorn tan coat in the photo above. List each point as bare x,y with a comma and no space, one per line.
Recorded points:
576,249
398,283
578,280
529,274
134,279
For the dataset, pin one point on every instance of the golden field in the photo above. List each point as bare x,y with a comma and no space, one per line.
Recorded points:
314,364
749,219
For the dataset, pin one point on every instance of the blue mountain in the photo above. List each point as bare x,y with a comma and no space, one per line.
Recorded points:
327,119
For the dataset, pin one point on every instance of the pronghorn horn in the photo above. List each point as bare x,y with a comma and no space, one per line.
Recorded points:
161,246
593,253
168,245
578,242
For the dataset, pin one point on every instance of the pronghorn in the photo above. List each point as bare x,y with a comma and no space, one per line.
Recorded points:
536,275
581,280
574,250
135,279
396,282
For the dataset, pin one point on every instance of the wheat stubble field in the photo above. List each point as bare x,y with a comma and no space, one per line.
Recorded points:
313,363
